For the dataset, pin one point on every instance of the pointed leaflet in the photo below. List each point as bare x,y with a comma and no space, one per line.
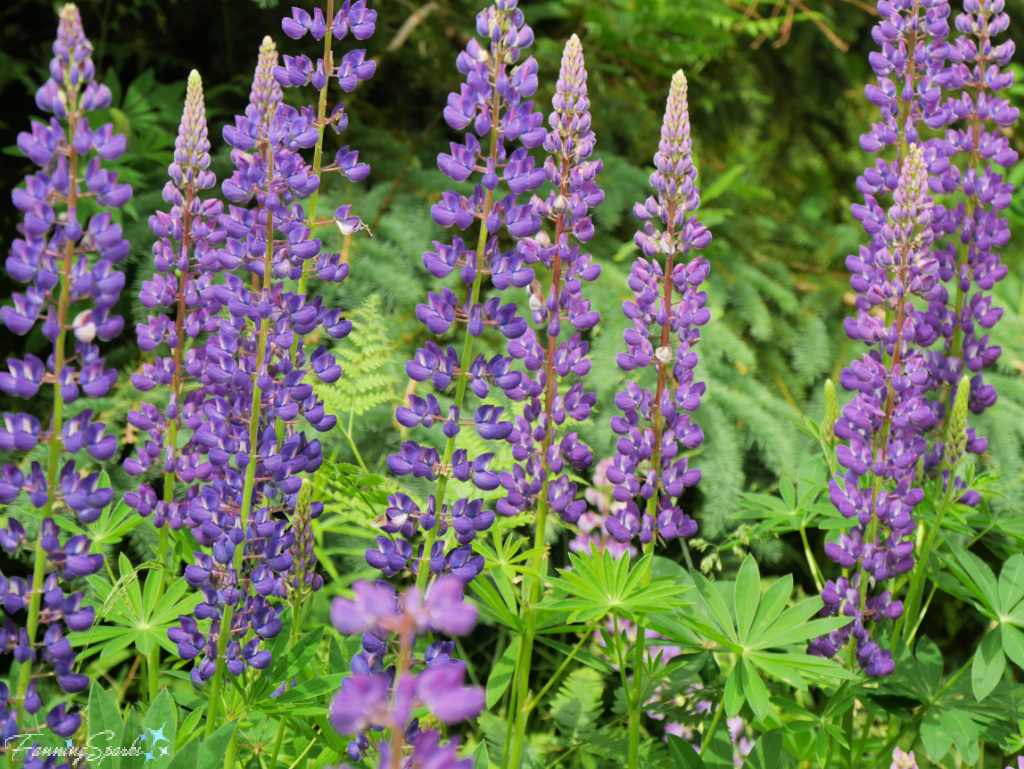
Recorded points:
746,595
501,674
755,690
105,726
988,665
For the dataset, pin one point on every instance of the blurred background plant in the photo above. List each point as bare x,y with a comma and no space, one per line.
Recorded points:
776,103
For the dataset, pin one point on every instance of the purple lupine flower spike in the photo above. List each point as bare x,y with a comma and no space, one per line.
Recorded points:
495,102
973,226
260,412
883,426
539,478
67,260
668,308
183,256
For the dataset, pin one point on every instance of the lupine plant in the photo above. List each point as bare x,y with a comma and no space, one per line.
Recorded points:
193,573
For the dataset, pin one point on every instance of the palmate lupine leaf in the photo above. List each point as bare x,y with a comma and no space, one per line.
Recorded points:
598,585
133,615
758,629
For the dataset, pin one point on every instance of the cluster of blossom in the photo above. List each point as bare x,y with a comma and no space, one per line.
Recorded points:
388,679
902,386
655,425
885,423
184,257
62,562
494,100
902,759
257,398
973,226
540,457
591,530
66,252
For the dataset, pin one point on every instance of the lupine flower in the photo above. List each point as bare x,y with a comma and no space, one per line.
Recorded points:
383,690
902,760
185,260
495,102
68,261
973,227
542,459
884,424
63,563
259,403
667,312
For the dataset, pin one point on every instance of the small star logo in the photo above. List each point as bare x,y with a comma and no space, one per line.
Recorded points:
155,736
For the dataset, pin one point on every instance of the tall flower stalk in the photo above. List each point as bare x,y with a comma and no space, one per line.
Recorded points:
252,515
972,264
883,430
67,251
667,313
538,482
183,255
494,100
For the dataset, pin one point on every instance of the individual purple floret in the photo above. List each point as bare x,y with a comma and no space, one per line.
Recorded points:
538,480
667,312
494,103
384,687
68,260
185,259
260,409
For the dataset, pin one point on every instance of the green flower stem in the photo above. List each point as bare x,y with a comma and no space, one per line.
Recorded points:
812,562
521,703
915,592
634,699
705,739
297,617
56,446
250,475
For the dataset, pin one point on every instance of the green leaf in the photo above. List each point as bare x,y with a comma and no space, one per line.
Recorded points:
213,748
755,690
988,665
796,625
715,604
298,657
480,758
1011,584
501,674
766,753
1013,644
733,697
578,704
188,756
965,733
746,595
934,736
105,726
772,604
929,662
160,725
979,578
683,753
